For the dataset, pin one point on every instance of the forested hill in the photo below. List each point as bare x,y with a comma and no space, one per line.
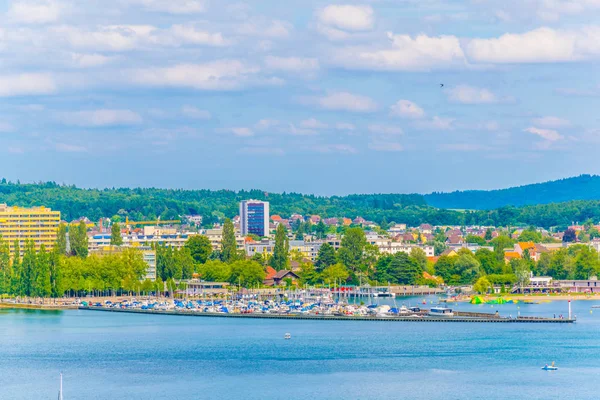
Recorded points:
583,187
140,204
143,204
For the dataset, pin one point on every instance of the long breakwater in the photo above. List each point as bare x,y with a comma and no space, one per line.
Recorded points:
465,317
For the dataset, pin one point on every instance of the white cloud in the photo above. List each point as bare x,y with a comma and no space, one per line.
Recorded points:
275,29
173,7
242,132
344,126
89,60
215,75
196,113
407,109
35,11
335,148
385,130
404,53
106,38
347,17
292,64
6,127
264,124
545,10
70,148
344,101
547,134
466,147
537,46
378,145
551,122
301,131
97,118
16,150
263,150
26,84
466,94
436,123
313,123
189,34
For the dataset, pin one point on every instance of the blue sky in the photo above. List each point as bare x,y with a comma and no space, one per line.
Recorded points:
299,95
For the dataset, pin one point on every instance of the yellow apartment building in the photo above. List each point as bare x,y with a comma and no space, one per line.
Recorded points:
39,224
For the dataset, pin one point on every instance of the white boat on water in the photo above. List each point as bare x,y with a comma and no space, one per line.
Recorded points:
287,336
551,367
441,312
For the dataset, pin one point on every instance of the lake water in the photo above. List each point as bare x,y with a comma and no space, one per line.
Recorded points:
123,356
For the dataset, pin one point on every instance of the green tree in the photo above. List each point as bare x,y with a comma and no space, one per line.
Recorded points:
488,234
115,235
405,269
185,260
5,267
321,230
420,257
61,239
468,268
383,273
78,239
475,240
335,273
199,247
489,261
280,259
229,251
439,247
530,235
308,274
325,257
586,263
444,267
482,285
55,275
247,273
500,243
15,283
215,271
560,265
351,252
28,269
522,270
43,284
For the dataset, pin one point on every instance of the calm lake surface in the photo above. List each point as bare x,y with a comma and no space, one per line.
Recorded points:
121,356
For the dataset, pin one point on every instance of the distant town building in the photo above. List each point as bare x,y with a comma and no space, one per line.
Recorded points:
254,217
309,250
194,219
39,224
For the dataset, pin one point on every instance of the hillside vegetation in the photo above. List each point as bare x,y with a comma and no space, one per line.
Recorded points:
583,187
149,204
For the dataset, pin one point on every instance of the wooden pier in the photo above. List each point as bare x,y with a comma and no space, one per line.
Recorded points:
463,317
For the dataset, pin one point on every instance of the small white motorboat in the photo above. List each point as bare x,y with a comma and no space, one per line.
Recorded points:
287,336
550,367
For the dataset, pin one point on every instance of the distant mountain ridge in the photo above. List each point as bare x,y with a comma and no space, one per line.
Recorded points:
583,187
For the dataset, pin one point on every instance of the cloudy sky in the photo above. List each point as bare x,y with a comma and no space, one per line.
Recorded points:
299,95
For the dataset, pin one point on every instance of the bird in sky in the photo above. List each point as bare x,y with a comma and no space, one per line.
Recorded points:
441,85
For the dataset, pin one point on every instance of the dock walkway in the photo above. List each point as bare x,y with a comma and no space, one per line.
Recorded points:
458,318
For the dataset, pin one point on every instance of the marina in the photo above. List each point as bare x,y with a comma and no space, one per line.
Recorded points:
327,311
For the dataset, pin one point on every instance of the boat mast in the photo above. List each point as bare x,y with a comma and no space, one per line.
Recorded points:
60,391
